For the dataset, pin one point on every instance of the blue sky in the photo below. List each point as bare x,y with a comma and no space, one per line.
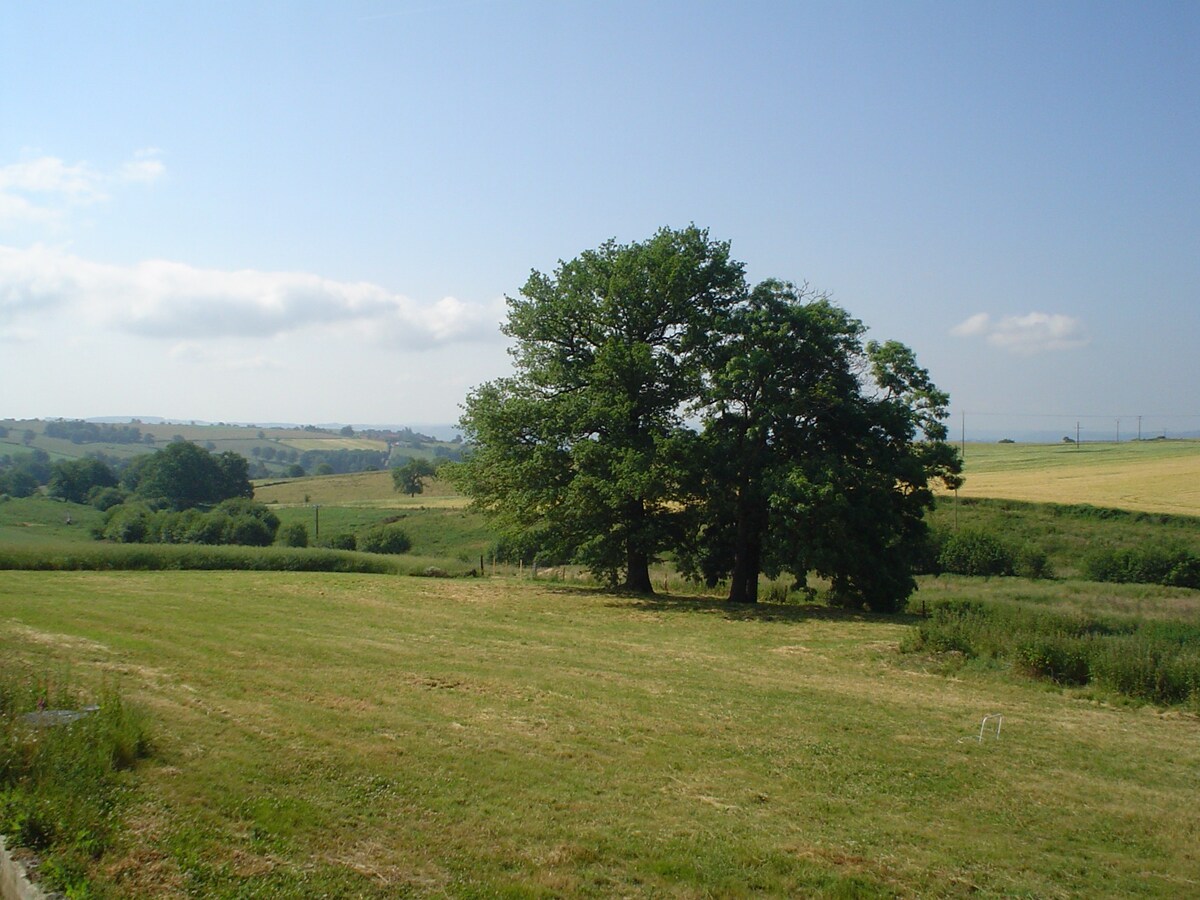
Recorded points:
312,212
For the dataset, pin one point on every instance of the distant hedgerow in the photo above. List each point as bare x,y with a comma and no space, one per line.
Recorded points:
1170,566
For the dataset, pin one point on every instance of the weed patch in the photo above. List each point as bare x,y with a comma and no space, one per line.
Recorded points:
62,786
1152,661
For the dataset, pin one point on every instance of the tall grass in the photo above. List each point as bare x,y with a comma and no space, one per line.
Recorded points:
61,785
1152,661
175,557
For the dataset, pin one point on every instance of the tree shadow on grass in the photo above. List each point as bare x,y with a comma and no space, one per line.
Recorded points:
763,611
753,612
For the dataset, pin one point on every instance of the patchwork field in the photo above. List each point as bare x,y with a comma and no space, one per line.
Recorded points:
371,736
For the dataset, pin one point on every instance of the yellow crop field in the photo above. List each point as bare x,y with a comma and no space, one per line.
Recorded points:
360,489
334,443
1152,476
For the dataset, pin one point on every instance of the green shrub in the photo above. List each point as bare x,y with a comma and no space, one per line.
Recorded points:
970,552
294,535
1149,667
384,539
343,541
1058,658
128,523
236,521
1148,564
105,498
1032,562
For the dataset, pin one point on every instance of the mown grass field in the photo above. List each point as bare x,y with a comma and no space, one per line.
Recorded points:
333,735
361,489
342,735
1153,476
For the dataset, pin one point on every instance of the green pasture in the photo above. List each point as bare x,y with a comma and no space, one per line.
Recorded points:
373,736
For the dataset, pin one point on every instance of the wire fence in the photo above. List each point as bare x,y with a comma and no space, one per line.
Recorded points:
967,425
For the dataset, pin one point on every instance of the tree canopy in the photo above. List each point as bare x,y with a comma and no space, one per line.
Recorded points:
660,405
410,477
576,446
183,475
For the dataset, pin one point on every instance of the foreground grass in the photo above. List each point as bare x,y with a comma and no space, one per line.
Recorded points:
370,736
62,788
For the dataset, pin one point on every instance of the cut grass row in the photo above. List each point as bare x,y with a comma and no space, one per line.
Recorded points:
367,736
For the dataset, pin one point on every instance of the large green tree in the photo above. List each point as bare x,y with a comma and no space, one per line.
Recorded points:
73,479
410,477
817,452
184,475
577,451
817,449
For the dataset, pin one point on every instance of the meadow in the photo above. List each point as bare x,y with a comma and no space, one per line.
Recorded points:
367,735
349,735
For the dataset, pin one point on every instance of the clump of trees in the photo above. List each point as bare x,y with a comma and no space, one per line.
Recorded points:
662,405
234,521
182,494
21,474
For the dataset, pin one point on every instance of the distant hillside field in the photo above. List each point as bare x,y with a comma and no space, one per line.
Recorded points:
361,489
1152,476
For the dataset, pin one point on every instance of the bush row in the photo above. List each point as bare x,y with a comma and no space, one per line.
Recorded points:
126,557
237,521
1170,566
1153,661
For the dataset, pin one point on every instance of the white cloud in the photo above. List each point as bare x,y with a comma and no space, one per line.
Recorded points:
223,358
43,189
162,299
144,168
1035,332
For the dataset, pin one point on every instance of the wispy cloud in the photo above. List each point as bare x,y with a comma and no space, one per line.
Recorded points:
41,190
1035,332
175,301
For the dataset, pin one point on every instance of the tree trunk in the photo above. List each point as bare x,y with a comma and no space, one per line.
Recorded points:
637,573
747,550
637,560
747,563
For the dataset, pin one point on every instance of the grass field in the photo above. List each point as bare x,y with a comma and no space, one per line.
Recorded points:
362,489
378,736
373,736
1153,476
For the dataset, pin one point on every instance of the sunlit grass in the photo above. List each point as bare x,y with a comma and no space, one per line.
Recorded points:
376,736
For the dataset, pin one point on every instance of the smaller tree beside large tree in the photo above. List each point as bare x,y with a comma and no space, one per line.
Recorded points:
410,477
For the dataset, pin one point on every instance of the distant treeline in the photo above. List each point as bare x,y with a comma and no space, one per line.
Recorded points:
80,432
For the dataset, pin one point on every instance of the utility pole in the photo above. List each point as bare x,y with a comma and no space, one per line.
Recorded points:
1076,434
1139,428
1118,431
